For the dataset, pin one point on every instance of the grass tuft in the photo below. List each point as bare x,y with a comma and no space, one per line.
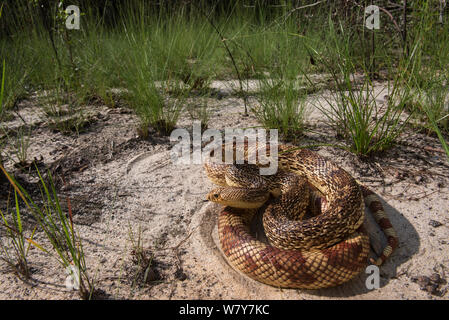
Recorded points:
58,227
282,107
14,250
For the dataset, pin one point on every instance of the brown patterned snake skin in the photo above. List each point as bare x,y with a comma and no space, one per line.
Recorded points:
323,251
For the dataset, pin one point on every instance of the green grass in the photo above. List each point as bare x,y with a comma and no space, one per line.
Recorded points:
353,111
2,88
198,110
58,228
2,92
14,251
430,77
161,55
282,107
21,147
432,109
142,260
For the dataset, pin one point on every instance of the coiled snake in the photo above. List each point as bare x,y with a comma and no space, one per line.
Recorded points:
323,251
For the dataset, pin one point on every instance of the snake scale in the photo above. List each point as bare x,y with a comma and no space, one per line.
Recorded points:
323,251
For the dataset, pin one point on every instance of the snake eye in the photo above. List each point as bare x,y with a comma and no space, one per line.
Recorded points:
215,195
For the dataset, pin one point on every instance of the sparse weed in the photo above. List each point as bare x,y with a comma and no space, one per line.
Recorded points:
58,228
63,112
14,244
433,105
21,147
2,89
282,107
199,111
142,259
429,79
73,123
353,110
148,86
155,112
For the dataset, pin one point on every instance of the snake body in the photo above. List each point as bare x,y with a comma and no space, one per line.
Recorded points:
323,251
305,269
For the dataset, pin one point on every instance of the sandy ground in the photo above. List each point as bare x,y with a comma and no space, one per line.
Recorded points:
121,187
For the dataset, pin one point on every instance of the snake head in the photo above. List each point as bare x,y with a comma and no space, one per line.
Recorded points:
214,196
239,197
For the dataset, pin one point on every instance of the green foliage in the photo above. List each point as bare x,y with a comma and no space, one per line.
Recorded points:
282,107
154,51
353,110
2,89
57,225
14,250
